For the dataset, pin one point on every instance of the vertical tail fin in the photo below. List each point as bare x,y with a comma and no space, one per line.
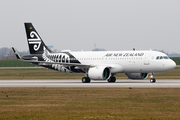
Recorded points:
36,44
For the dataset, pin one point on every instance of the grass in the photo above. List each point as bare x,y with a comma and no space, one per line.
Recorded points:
173,74
89,103
86,103
36,73
41,73
15,63
176,60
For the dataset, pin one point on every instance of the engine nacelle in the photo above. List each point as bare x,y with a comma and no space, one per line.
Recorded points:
137,75
99,73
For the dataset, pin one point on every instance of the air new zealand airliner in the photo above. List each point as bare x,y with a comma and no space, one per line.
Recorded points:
96,65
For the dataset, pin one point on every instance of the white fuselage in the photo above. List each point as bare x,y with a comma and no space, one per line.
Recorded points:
122,61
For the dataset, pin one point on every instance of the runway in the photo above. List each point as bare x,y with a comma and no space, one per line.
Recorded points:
122,83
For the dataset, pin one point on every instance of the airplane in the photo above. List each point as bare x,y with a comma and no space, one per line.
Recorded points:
96,65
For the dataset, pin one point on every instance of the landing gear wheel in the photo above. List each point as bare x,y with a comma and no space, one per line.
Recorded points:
111,79
86,80
152,80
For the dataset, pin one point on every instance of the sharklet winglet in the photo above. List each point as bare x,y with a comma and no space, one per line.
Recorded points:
16,53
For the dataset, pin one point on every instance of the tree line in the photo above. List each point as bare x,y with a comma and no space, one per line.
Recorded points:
8,54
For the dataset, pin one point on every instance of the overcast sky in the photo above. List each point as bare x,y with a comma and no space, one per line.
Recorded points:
79,24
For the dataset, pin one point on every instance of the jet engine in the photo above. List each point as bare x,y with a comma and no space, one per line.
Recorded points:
99,73
137,75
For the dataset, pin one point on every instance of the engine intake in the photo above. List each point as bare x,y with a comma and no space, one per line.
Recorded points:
99,73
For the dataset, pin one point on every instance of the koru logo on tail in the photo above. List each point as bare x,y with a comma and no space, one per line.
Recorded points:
35,40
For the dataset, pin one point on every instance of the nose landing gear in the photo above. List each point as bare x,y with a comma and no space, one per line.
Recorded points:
152,80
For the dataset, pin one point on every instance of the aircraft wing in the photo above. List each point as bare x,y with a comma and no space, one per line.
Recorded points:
81,66
64,64
74,64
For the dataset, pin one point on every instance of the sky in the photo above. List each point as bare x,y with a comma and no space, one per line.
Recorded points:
79,24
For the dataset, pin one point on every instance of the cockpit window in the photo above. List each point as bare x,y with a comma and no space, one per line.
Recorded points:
166,57
157,57
162,57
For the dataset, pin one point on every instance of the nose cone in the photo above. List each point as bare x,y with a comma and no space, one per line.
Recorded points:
171,65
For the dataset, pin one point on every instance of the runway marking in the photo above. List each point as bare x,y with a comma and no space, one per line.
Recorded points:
161,83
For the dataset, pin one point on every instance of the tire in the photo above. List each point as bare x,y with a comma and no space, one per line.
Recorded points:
152,80
111,79
86,80
114,79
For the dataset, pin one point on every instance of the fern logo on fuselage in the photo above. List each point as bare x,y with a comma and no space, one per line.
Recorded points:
35,40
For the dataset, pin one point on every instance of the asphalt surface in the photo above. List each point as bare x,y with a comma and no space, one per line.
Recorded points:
122,83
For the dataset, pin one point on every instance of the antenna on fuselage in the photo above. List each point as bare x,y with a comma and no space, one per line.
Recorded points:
134,49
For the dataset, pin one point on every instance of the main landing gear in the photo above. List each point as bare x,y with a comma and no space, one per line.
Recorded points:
112,79
86,80
152,80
